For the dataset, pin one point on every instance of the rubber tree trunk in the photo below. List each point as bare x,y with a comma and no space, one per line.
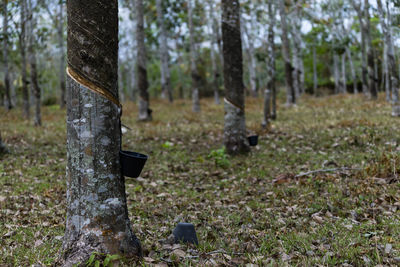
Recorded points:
343,81
143,84
60,33
353,71
267,108
193,61
5,56
235,124
166,88
387,36
3,148
35,89
336,73
271,58
315,72
22,47
290,92
213,27
97,214
297,53
370,54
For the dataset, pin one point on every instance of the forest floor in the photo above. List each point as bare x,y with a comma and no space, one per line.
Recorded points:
256,208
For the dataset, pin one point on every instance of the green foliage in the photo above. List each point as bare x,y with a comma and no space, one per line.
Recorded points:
220,157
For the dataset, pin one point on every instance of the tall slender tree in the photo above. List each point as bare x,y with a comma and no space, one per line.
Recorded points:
143,84
213,28
193,60
97,214
370,53
22,48
290,92
271,58
5,55
3,148
235,124
166,88
35,89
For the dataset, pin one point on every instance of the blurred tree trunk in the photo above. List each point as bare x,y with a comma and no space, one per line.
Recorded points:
385,72
393,72
271,64
353,71
193,60
297,53
5,56
60,32
370,54
343,86
213,27
143,84
35,89
235,124
22,47
336,73
97,214
3,148
290,92
364,70
267,108
163,42
315,73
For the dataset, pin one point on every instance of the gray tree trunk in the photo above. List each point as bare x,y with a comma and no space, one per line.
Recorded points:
213,27
385,72
343,86
97,214
193,60
370,54
235,124
290,92
364,69
60,32
22,47
163,42
271,66
353,71
297,53
5,57
315,73
336,73
267,108
143,84
35,89
3,148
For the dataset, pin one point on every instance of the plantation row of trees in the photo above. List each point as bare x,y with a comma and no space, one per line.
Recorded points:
173,49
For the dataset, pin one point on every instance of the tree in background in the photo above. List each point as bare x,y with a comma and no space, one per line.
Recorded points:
193,59
163,43
97,215
143,84
5,55
22,47
235,124
271,57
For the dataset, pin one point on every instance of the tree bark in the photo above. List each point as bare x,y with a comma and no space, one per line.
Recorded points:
336,73
343,81
163,42
267,108
290,92
60,32
353,71
5,56
3,148
235,124
97,214
22,47
315,73
193,61
35,89
271,65
143,84
370,54
213,27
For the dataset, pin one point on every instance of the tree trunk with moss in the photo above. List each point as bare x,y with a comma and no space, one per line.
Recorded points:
97,214
235,124
193,61
166,89
143,84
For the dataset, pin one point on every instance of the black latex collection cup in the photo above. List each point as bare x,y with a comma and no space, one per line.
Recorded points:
253,140
132,163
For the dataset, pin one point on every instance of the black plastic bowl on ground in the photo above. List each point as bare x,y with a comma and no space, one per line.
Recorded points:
185,232
253,140
132,163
